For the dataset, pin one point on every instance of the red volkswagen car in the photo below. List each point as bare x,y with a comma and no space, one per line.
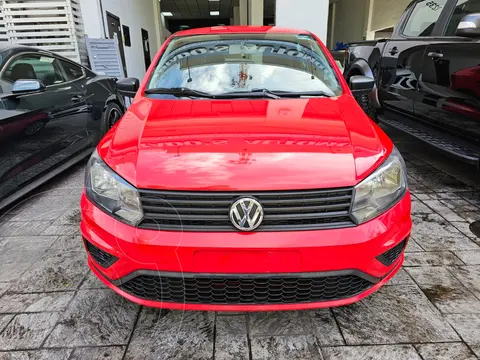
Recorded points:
245,176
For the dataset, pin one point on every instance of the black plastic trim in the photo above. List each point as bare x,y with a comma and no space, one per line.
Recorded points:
49,175
92,250
383,258
134,274
443,142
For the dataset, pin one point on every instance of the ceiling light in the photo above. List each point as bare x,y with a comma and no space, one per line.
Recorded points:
214,13
214,0
167,13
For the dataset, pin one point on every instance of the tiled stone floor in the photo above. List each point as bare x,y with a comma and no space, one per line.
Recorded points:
51,307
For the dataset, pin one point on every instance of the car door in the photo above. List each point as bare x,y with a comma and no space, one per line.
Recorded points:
8,182
449,90
41,129
402,57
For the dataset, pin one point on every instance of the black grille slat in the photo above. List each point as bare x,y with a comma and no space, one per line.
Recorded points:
240,290
191,202
283,210
185,217
292,202
319,215
184,210
307,208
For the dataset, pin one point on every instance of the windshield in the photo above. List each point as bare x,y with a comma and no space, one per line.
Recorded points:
225,63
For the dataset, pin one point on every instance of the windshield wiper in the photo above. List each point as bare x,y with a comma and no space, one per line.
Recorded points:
281,93
273,94
256,93
180,91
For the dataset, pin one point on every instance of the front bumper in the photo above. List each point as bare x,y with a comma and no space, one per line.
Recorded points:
281,259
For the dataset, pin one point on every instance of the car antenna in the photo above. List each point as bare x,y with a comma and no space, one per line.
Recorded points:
189,75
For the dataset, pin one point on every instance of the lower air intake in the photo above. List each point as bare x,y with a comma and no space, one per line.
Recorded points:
221,289
103,258
390,256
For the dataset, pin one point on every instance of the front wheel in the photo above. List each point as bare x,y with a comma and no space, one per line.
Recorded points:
111,116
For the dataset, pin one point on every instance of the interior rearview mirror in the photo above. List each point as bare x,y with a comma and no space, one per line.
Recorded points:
27,86
469,26
128,87
361,83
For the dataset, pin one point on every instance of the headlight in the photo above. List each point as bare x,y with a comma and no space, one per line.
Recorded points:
111,193
381,190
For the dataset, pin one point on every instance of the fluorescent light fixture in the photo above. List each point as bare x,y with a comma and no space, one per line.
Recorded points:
214,13
167,13
214,0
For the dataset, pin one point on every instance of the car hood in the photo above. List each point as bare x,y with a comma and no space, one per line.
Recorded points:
245,144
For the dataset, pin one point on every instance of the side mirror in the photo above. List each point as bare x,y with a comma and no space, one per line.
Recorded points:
361,83
128,87
27,86
469,26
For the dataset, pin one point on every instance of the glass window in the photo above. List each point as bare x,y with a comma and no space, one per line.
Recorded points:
464,7
72,71
423,18
243,62
35,66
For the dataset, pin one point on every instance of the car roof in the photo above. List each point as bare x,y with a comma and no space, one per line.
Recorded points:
240,30
17,48
9,50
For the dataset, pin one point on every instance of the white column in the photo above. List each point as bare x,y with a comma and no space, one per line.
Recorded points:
255,12
92,18
311,15
236,15
157,13
369,34
243,9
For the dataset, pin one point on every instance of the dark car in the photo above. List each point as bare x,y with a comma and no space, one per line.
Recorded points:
427,75
53,112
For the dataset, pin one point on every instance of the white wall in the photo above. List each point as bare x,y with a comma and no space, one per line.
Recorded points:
92,17
311,15
136,15
350,21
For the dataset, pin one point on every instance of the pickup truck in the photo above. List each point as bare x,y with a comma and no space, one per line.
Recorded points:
427,75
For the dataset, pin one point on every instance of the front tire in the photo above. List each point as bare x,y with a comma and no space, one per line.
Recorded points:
111,116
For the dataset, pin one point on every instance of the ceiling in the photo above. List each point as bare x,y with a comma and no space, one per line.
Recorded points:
200,9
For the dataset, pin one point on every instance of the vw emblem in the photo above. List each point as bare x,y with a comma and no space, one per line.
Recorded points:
246,214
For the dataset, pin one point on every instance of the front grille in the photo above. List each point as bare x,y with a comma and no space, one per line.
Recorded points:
103,258
283,210
389,256
245,290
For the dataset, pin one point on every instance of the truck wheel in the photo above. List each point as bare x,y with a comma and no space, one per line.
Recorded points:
365,103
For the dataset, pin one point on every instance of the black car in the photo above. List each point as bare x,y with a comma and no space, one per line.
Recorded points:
427,75
53,112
